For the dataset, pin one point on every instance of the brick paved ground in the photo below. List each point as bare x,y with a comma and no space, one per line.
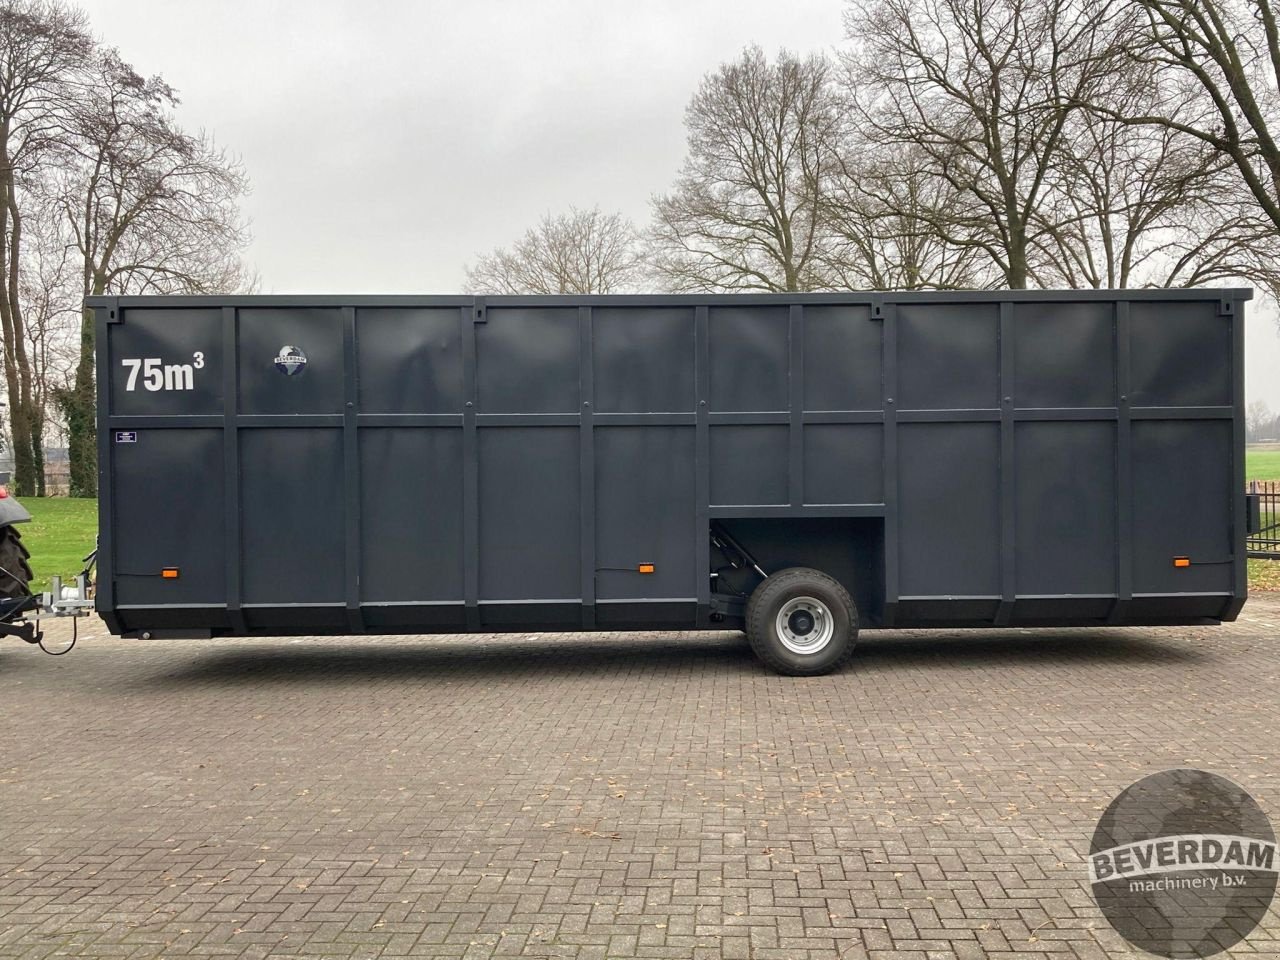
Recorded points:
567,796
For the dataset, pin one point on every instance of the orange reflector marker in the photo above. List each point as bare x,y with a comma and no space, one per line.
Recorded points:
646,568
1182,561
169,573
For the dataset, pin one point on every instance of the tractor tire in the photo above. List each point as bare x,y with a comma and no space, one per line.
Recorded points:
802,623
15,570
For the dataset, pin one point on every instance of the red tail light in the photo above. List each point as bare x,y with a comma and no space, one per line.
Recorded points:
4,491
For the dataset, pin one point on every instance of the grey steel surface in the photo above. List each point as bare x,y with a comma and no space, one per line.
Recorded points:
460,463
11,511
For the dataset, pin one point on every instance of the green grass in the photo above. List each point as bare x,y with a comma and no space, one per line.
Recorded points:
1264,575
60,534
1262,462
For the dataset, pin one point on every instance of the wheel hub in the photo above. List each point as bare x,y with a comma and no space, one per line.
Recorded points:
801,623
805,625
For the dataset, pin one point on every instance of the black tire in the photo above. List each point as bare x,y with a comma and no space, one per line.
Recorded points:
796,584
15,571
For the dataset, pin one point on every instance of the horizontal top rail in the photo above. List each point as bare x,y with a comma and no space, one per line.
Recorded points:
623,300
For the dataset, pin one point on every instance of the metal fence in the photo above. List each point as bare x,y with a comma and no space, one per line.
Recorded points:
1264,519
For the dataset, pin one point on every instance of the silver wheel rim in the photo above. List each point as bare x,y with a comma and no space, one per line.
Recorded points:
805,625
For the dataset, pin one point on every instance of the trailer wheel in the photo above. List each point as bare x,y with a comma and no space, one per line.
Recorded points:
802,622
15,571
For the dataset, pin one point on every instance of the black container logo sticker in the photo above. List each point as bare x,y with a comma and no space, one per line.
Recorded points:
291,360
1183,864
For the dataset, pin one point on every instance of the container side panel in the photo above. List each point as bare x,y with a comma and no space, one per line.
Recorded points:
948,503
644,512
410,361
843,463
1065,476
531,453
316,387
168,511
643,359
527,360
749,358
529,516
291,495
166,363
749,464
411,514
1182,355
1065,355
1183,504
948,357
842,361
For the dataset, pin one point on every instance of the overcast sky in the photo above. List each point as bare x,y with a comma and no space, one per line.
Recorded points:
389,142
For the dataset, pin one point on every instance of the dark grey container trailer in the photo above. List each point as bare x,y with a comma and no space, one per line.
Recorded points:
797,465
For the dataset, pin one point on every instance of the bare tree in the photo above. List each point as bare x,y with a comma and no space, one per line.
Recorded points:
747,212
1146,205
880,215
149,208
51,311
1024,109
1218,62
582,251
1113,187
43,45
1258,419
985,90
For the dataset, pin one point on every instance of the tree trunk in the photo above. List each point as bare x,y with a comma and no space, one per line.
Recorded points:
11,327
1017,275
30,466
23,451
1017,272
79,407
37,450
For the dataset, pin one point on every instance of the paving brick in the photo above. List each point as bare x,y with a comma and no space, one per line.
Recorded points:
570,796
